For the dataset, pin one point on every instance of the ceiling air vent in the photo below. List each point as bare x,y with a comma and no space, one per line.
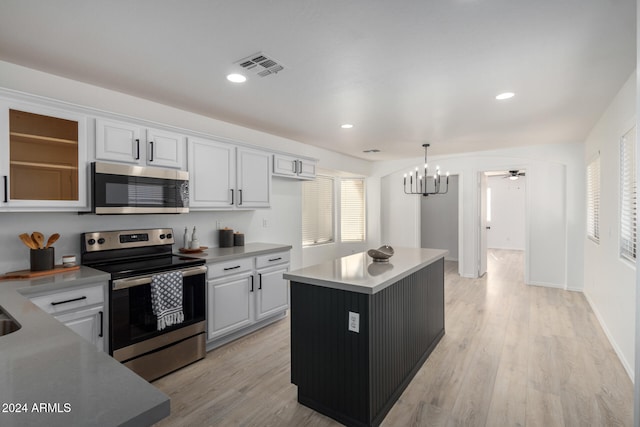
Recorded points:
260,64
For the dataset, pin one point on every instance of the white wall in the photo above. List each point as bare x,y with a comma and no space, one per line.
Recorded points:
507,213
284,218
610,280
439,220
555,206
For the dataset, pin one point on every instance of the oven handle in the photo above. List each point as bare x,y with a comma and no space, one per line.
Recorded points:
144,280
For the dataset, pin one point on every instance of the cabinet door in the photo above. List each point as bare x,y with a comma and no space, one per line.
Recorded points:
43,153
307,169
254,179
230,304
165,149
285,165
88,323
212,174
272,293
117,141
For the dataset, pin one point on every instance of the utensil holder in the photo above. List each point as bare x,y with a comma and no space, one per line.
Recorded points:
42,259
238,239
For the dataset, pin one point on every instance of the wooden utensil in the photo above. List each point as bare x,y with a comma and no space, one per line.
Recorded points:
52,239
38,237
26,239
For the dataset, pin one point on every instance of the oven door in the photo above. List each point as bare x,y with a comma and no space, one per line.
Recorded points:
133,326
124,189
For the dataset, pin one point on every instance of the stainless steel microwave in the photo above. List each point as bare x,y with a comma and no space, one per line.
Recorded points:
127,189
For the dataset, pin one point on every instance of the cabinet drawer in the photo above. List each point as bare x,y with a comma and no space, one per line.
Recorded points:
272,259
221,269
72,299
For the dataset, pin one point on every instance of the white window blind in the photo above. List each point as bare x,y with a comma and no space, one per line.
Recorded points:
628,231
593,199
352,210
317,211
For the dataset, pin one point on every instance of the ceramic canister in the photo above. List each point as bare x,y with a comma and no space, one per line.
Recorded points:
226,238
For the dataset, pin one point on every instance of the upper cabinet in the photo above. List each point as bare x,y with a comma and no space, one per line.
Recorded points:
43,157
225,176
130,143
294,167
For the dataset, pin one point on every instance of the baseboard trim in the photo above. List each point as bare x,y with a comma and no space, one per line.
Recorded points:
603,325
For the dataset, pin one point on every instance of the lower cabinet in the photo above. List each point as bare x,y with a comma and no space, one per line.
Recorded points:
81,310
243,292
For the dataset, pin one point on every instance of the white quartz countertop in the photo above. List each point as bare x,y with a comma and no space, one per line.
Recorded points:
358,272
50,376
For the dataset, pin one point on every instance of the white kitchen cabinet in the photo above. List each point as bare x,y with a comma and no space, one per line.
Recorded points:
230,296
42,158
123,142
80,309
244,291
294,167
254,178
212,173
225,176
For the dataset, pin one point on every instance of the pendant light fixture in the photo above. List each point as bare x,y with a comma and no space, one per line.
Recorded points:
420,182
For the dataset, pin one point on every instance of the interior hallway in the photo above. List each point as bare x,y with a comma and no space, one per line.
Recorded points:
512,355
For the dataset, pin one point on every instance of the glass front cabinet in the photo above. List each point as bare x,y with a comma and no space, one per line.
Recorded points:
42,158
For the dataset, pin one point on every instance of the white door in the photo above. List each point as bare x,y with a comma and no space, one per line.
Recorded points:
117,141
89,324
212,174
230,304
254,179
165,149
482,216
272,293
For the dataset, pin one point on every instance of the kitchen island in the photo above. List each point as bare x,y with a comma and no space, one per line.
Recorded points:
361,330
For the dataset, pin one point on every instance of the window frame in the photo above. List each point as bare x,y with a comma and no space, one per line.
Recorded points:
333,238
364,210
627,243
593,177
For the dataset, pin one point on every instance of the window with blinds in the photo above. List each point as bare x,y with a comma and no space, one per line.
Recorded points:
317,211
593,199
628,195
352,210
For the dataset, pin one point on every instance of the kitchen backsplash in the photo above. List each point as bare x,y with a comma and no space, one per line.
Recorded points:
279,224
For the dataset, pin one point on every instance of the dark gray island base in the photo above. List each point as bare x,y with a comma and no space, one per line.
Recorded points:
356,377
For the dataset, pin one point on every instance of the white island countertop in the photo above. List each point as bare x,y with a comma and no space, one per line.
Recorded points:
358,272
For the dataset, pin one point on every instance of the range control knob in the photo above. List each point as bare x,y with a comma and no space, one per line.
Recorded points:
169,236
162,236
91,241
101,240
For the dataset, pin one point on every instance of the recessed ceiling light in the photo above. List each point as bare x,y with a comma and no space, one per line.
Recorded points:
346,126
373,150
236,78
505,95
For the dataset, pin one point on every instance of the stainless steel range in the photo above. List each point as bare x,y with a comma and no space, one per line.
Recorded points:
157,299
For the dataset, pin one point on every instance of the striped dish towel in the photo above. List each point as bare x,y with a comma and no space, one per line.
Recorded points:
166,298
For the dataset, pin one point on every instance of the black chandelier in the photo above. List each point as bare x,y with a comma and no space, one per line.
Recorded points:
423,183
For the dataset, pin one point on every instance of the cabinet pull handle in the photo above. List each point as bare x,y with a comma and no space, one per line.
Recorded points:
6,193
69,300
232,196
137,149
298,166
295,166
240,197
251,283
231,268
275,259
260,282
101,333
151,159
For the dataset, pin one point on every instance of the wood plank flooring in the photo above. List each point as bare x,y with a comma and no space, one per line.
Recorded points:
512,355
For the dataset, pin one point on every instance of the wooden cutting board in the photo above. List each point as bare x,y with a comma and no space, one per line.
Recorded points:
28,274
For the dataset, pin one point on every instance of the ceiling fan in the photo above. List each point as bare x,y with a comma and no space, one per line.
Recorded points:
515,174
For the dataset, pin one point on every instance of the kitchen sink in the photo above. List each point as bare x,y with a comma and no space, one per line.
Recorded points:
7,324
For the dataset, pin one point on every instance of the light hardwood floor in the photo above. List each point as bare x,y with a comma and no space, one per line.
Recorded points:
512,355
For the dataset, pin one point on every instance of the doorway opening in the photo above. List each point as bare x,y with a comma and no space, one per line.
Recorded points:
502,219
439,216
